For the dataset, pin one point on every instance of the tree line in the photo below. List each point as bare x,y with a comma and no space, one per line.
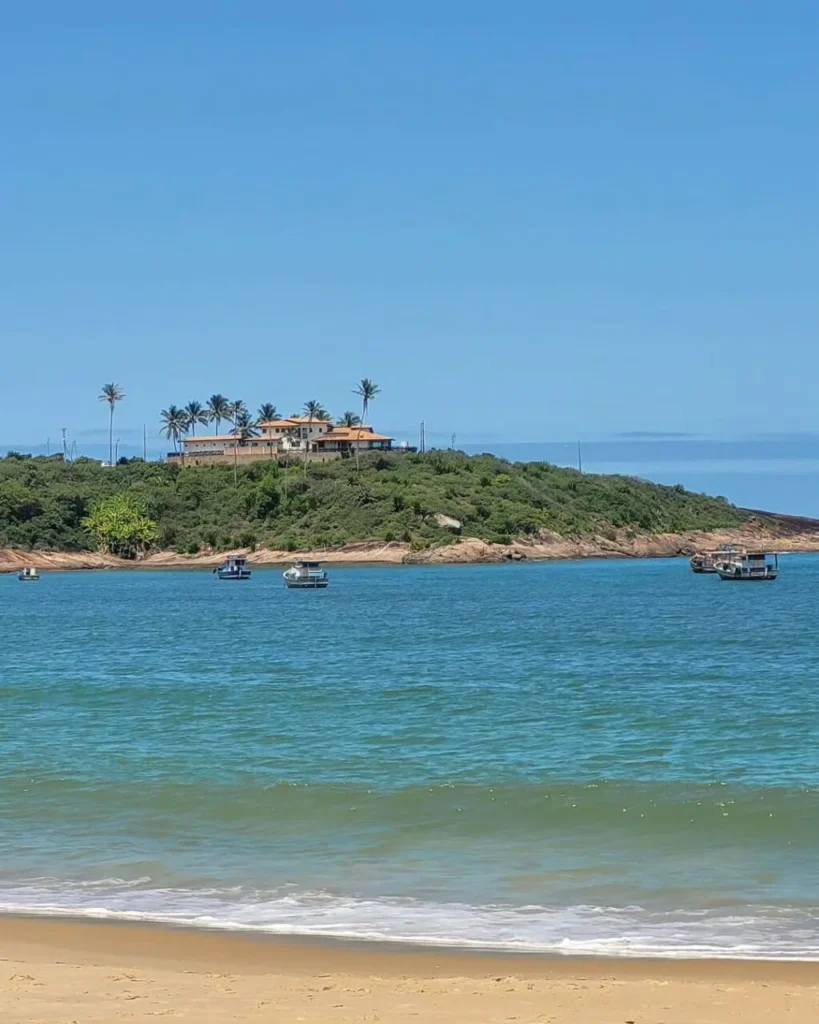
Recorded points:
50,504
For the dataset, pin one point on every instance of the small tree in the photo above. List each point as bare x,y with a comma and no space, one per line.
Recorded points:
121,526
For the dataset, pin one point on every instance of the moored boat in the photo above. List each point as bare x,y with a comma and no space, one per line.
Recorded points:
749,565
28,575
702,562
233,568
707,561
306,576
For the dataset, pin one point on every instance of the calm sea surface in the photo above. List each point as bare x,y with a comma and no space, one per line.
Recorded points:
583,757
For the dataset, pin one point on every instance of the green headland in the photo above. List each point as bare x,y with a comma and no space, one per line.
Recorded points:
424,501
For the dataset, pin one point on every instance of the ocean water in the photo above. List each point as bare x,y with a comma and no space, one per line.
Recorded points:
596,757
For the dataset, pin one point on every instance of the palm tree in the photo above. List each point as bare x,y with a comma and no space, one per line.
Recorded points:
111,393
267,412
235,411
349,419
323,415
366,390
218,407
314,411
196,413
243,429
174,423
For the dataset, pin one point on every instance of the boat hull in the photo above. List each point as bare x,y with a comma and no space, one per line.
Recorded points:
732,577
28,579
234,575
306,584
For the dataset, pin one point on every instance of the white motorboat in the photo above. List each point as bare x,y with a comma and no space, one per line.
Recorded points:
306,576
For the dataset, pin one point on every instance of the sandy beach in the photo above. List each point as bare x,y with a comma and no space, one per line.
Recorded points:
66,971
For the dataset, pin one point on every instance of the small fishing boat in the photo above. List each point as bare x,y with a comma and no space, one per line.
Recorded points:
29,574
702,562
706,561
233,568
306,576
749,565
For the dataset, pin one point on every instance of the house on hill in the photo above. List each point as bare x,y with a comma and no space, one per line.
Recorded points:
348,440
294,436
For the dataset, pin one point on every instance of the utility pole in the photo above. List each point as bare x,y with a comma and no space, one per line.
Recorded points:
65,446
452,443
579,458
144,443
423,438
48,447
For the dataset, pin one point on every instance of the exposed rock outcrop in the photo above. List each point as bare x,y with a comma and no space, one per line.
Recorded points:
762,530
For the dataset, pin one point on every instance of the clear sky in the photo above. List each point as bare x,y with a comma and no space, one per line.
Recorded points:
526,221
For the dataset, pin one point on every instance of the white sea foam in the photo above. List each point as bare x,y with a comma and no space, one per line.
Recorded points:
763,932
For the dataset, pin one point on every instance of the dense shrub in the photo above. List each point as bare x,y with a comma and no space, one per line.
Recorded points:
43,502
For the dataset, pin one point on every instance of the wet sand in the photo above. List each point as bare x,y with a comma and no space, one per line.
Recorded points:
64,971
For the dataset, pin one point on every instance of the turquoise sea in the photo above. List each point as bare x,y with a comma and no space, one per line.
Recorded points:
597,757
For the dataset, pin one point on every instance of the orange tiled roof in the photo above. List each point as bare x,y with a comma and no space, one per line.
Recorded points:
354,434
224,437
282,424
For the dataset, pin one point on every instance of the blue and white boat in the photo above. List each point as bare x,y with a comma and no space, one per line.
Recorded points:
233,568
28,575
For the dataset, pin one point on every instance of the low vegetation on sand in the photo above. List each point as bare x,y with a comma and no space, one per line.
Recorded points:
424,500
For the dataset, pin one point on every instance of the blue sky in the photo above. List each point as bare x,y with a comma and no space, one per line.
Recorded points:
526,222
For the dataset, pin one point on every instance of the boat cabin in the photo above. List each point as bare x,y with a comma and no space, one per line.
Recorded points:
306,574
234,567
750,565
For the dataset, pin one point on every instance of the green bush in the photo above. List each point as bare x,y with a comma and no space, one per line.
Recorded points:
43,503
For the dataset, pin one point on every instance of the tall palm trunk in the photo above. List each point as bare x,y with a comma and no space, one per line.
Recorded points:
235,455
307,444
358,437
111,435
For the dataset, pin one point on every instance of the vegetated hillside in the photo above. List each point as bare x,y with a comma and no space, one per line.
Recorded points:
394,497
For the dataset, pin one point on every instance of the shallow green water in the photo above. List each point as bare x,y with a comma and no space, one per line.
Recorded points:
598,756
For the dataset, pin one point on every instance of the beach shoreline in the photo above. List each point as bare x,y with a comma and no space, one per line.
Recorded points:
66,969
781,533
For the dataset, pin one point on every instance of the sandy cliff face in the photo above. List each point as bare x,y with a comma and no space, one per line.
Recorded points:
775,533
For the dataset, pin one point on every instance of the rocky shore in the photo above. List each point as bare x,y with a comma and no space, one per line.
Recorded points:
764,530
